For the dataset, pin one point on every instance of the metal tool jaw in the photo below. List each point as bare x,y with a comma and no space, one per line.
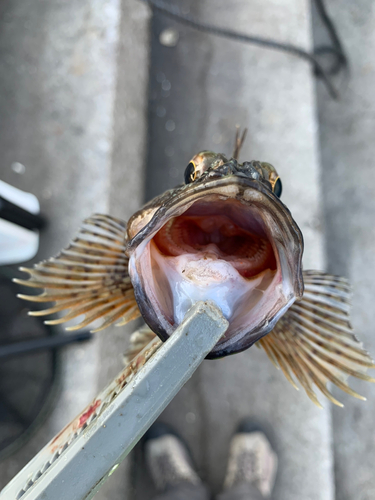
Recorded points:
76,462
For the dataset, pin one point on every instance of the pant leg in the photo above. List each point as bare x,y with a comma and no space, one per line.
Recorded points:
185,491
243,491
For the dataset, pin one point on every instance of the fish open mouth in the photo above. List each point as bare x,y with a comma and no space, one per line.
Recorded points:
215,251
218,248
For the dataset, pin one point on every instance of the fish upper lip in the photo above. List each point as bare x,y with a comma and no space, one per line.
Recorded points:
186,192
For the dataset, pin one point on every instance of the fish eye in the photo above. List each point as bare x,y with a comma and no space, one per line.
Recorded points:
190,173
277,187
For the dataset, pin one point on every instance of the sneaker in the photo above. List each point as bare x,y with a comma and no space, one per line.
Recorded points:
168,458
251,459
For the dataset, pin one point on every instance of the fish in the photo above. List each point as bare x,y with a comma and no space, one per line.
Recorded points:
222,235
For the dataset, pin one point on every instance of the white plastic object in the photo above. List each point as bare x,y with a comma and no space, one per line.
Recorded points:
18,244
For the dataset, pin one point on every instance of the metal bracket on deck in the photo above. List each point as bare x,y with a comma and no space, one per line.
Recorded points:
82,456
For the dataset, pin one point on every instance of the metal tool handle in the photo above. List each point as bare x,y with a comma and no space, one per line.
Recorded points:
79,460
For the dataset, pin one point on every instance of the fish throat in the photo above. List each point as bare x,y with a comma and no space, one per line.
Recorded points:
216,237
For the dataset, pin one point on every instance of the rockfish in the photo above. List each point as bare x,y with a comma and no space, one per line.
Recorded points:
225,236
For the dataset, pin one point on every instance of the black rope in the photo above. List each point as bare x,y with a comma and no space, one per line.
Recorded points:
174,12
336,49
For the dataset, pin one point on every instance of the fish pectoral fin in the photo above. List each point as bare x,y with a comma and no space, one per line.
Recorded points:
314,341
90,277
138,341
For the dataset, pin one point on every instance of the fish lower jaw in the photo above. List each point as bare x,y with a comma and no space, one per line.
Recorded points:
192,278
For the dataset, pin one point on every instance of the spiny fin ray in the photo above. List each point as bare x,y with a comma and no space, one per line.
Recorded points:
90,278
315,342
138,341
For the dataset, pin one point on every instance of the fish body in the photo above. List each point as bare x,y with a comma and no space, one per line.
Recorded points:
223,235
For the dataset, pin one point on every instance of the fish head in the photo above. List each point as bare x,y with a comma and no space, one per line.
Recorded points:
225,236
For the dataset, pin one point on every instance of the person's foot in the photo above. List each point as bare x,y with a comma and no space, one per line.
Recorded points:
168,458
251,459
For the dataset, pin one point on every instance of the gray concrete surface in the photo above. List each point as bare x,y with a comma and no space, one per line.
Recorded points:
199,91
72,107
347,130
66,115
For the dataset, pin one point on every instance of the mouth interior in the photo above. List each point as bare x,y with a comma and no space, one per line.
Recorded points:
216,236
218,250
